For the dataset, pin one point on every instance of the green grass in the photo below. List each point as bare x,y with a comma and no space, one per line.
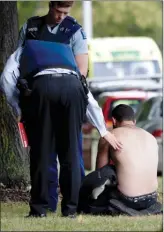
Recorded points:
12,219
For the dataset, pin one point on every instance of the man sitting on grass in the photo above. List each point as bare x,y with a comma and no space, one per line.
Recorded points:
131,183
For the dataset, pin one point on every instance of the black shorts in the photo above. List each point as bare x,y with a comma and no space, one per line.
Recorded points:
87,204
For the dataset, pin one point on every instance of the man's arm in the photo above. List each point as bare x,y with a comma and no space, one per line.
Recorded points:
80,51
102,154
10,75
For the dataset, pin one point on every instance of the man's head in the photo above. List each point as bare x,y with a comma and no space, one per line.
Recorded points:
58,10
123,115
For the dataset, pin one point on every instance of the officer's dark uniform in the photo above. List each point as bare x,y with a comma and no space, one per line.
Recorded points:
57,109
72,26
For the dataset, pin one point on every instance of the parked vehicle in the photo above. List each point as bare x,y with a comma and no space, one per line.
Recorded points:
133,98
128,91
150,118
119,57
108,100
110,93
143,82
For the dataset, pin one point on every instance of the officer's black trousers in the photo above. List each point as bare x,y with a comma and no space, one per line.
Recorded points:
58,106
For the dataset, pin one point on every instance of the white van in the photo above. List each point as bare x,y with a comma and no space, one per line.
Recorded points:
119,57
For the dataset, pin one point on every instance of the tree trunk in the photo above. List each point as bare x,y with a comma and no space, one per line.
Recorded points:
14,160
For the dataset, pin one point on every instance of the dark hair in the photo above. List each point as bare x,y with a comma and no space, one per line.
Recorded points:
61,3
123,112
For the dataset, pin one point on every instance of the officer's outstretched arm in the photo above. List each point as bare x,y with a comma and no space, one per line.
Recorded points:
95,117
10,75
8,81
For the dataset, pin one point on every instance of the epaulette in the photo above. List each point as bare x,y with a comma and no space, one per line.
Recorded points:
72,19
34,17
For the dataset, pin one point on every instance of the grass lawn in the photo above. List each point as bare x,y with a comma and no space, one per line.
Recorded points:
12,219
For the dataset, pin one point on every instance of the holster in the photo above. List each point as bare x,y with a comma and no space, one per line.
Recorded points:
23,87
84,84
24,97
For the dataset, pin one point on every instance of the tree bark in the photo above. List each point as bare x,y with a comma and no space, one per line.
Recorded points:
14,160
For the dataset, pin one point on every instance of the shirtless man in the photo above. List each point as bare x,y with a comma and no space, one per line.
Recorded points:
136,164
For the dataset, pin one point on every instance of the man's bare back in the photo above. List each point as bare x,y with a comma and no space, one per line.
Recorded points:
135,168
137,162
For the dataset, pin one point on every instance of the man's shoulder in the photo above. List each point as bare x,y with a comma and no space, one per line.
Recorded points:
72,23
120,132
116,130
34,23
142,133
72,20
35,20
147,134
79,35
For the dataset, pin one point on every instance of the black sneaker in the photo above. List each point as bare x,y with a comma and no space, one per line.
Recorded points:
71,216
36,215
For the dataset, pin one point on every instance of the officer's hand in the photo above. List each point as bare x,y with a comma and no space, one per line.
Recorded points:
111,139
17,113
27,92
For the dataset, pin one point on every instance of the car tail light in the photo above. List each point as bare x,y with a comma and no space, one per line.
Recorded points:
109,123
157,133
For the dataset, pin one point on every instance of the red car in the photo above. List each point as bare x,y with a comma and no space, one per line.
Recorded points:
109,100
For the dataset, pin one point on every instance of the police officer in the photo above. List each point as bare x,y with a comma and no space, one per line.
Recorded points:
69,31
43,104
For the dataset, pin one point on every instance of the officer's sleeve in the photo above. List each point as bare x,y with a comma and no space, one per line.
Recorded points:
95,116
10,74
8,80
22,35
79,43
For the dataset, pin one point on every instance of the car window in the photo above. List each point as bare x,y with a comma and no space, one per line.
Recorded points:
125,68
131,102
156,110
144,111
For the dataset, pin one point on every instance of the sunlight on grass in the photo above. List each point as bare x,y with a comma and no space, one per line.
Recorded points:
12,219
